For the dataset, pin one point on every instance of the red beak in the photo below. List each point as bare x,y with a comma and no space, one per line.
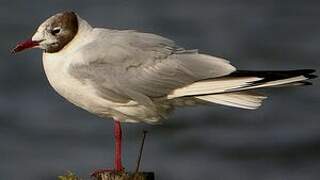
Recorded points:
24,45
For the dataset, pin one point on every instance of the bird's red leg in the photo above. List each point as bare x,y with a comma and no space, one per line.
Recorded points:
117,154
118,137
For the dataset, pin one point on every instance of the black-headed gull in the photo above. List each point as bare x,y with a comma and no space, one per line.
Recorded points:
141,77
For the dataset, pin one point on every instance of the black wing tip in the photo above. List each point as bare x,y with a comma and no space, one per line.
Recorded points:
310,76
308,73
276,74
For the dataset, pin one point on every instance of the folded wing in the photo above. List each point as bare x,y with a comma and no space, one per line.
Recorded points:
139,66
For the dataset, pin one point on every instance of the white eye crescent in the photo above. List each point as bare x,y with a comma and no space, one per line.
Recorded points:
55,31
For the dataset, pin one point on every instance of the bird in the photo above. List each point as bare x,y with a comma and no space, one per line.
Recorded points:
138,77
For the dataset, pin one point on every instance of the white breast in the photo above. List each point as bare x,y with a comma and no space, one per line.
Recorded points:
84,96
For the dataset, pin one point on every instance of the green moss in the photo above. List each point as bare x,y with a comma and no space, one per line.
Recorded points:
69,176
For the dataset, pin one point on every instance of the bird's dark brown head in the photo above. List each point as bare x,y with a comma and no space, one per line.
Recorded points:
53,34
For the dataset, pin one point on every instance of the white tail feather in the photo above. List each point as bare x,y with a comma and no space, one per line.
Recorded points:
212,86
228,84
245,100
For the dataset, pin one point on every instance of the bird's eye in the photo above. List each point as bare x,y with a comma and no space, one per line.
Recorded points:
55,31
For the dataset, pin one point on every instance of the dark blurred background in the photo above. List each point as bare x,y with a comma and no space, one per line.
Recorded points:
42,135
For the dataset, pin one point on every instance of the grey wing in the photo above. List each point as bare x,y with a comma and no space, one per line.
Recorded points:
141,66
